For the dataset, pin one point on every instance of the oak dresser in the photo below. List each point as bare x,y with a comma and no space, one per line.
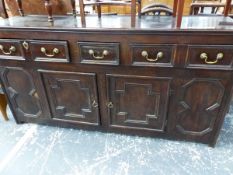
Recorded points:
151,80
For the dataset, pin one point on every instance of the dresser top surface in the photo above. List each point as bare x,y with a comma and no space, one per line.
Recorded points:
121,23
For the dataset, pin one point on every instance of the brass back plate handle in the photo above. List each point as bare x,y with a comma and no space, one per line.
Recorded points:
11,50
92,53
54,52
204,57
146,55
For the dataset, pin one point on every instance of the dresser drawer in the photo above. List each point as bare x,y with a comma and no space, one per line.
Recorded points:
49,51
99,53
11,49
209,56
152,55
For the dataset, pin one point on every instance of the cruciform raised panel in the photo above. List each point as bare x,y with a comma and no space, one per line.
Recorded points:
139,102
148,103
66,92
72,96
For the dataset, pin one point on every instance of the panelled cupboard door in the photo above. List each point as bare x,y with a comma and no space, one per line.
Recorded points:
72,96
138,102
196,107
24,98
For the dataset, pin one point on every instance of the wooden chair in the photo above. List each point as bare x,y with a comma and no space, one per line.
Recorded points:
99,3
3,104
156,9
199,6
48,7
178,7
214,4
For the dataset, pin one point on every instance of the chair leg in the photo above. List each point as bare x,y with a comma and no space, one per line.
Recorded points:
48,7
3,12
179,13
202,9
139,8
73,4
82,13
20,9
98,7
175,4
133,13
227,7
196,10
3,105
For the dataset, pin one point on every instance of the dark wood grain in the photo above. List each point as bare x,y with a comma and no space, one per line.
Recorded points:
98,57
129,93
145,24
49,55
72,96
23,96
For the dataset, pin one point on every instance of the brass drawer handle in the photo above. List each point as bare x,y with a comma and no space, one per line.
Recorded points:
92,53
146,55
110,105
55,51
204,56
12,49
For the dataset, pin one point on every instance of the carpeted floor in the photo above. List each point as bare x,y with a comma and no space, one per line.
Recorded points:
41,150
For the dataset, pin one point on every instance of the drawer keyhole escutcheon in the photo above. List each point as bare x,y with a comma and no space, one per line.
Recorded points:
146,55
55,51
110,105
35,94
25,45
12,49
92,53
94,104
204,56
